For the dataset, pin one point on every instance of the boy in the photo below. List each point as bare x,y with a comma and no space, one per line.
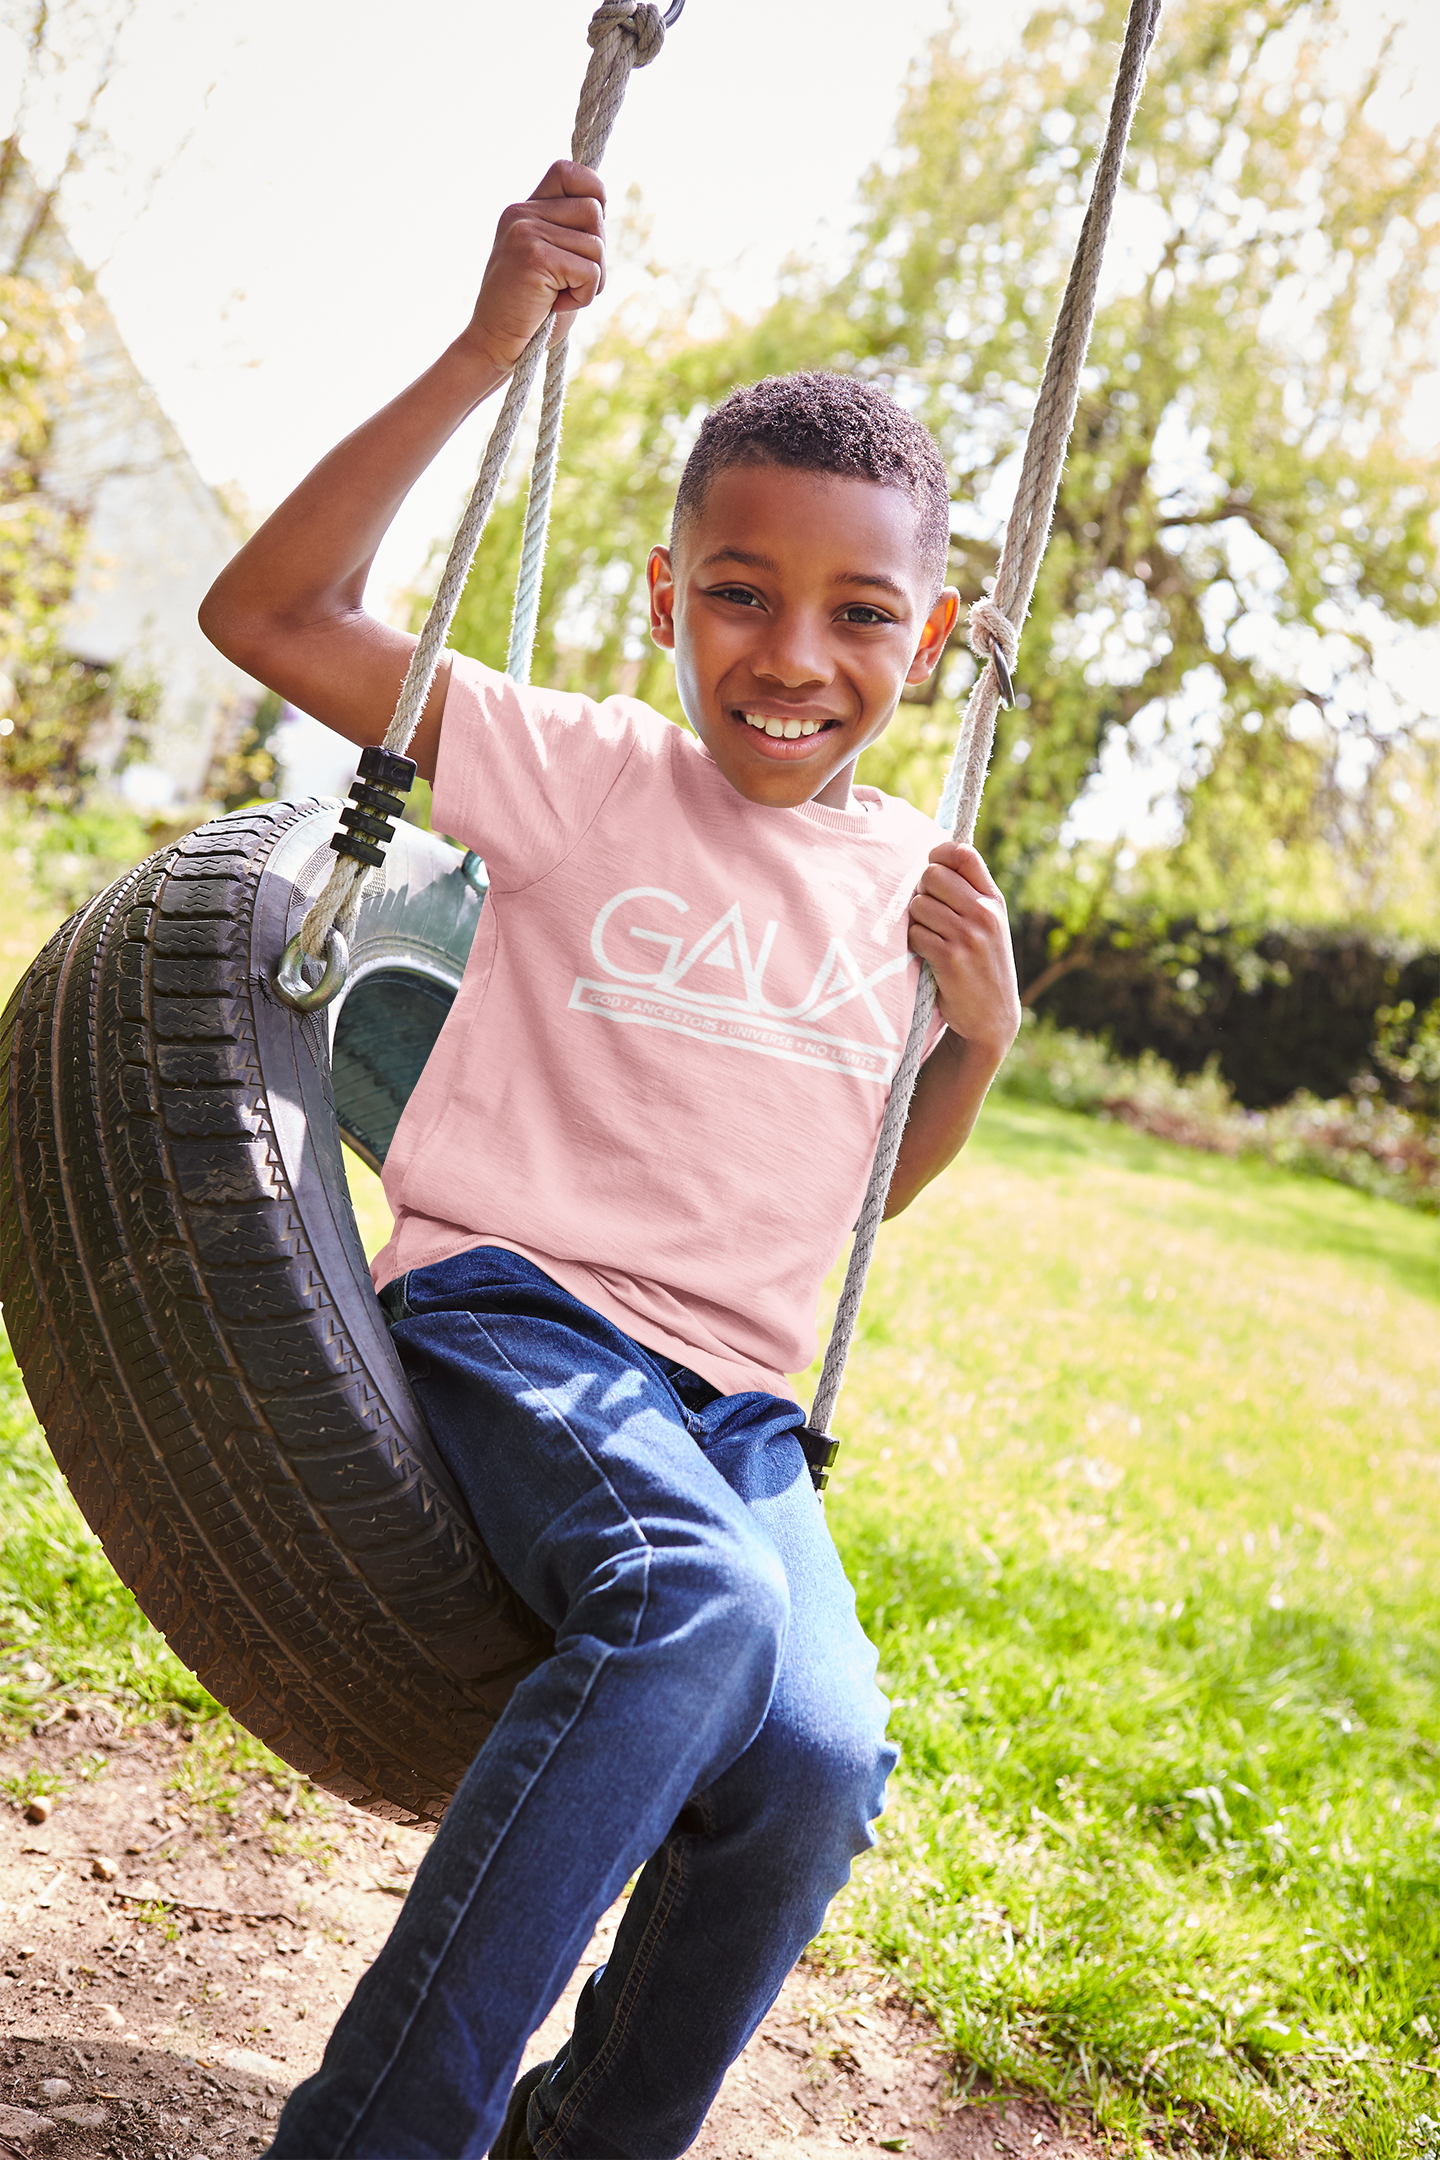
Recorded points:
640,1142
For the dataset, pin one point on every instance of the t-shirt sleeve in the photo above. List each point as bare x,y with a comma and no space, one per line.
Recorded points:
522,772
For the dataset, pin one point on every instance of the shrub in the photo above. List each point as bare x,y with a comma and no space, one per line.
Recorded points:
1357,1139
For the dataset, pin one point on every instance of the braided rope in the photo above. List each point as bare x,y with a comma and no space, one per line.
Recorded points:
623,35
643,32
526,611
996,624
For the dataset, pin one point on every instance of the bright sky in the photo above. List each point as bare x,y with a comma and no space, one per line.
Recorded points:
322,234
322,230
331,179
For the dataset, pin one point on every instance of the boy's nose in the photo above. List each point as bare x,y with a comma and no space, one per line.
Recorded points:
792,655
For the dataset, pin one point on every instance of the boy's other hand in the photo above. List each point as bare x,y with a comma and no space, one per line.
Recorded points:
549,253
958,923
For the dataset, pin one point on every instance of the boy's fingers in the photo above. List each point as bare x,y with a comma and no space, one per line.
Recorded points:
572,264
957,891
931,913
565,177
969,863
931,945
582,251
578,292
580,214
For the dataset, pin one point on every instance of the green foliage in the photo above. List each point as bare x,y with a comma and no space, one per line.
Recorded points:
300,1826
214,1777
1234,494
68,715
205,1777
1238,530
246,768
1128,1487
67,1625
37,540
1408,1048
1056,1065
54,706
57,859
1357,1139
25,1785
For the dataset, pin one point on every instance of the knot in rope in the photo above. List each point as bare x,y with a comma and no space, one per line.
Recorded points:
624,35
638,19
990,630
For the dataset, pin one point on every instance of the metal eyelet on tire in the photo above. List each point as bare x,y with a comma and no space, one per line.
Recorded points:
292,983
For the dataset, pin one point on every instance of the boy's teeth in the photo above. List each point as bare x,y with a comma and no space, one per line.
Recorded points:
790,729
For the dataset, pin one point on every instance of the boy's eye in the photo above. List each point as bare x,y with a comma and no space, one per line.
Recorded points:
741,594
862,612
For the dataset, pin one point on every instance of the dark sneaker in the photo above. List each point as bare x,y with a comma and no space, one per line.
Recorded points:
513,2142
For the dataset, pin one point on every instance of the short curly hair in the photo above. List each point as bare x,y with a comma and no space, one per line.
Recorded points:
823,423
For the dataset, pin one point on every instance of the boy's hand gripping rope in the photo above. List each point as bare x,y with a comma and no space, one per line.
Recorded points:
623,34
995,635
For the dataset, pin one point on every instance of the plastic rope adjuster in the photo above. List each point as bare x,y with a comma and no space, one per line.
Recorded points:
819,1451
378,795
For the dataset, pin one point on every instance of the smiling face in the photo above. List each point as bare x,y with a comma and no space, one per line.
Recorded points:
797,606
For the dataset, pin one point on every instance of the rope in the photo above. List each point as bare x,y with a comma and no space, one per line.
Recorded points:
526,611
623,34
996,624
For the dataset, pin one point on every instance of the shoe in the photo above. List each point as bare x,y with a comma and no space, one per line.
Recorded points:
513,2142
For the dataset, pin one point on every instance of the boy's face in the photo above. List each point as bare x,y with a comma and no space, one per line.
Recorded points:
797,609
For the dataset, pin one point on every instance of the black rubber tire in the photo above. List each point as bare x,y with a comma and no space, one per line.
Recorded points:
187,1297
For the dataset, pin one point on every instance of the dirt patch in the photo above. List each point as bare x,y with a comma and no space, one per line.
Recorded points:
169,1969
843,2064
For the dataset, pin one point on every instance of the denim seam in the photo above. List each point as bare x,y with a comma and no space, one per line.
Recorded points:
362,2110
422,1997
640,1965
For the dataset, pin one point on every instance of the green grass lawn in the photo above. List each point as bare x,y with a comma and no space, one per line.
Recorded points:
1139,1490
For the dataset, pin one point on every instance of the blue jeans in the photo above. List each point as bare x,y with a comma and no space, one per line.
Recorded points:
710,1716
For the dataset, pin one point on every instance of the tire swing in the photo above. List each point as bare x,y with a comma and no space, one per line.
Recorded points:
182,1276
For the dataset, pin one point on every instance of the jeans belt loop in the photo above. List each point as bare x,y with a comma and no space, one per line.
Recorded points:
394,1303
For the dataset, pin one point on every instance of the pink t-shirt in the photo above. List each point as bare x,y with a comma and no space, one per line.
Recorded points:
663,1075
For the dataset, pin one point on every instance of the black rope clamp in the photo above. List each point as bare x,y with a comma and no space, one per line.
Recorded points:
819,1451
377,796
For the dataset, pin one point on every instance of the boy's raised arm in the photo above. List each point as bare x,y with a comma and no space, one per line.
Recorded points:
290,607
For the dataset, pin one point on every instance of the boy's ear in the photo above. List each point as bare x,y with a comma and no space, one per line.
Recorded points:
660,576
938,625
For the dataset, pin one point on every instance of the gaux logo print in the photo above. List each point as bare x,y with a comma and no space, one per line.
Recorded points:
713,986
